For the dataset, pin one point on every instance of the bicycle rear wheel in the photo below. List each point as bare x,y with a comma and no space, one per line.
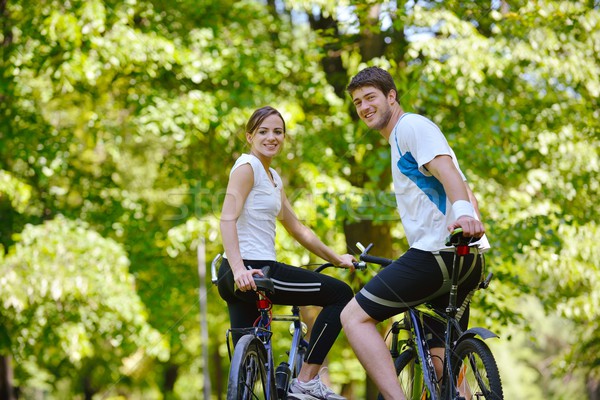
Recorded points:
248,373
475,371
410,376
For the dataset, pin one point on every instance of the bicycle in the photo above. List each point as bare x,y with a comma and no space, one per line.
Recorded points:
469,367
251,373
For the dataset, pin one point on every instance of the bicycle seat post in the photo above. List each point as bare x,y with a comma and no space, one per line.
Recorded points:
461,250
262,303
262,324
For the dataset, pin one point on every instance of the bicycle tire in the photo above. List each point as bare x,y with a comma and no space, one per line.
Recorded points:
480,376
410,376
248,373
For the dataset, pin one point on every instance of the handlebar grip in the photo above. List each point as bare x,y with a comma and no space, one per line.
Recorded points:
361,266
376,260
213,269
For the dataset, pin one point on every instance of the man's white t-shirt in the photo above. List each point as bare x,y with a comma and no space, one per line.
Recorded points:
424,207
257,221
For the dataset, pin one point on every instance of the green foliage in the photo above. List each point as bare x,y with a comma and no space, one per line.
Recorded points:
128,115
17,192
70,308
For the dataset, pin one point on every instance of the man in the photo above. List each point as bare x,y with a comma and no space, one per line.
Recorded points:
433,199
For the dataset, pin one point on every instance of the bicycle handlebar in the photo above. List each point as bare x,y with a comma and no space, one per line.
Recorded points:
215,279
455,239
213,269
358,265
364,256
376,260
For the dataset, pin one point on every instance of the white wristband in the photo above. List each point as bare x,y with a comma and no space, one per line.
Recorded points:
463,207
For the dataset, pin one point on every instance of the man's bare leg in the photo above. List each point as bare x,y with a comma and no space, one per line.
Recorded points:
371,350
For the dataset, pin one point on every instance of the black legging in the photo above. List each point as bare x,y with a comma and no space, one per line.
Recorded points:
293,286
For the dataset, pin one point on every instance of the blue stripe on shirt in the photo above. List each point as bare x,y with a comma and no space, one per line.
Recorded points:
432,188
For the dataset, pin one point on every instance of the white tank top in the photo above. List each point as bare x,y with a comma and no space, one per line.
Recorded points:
257,221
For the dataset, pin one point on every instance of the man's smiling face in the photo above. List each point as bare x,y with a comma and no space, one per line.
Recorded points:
372,106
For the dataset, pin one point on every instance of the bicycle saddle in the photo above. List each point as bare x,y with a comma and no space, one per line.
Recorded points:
263,283
456,238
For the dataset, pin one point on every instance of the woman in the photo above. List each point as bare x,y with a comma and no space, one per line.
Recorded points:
255,199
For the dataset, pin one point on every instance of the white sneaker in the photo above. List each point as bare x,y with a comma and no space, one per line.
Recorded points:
299,396
314,388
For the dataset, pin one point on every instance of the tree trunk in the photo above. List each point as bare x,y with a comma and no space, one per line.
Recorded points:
171,374
593,388
217,367
88,390
367,231
332,63
372,42
6,379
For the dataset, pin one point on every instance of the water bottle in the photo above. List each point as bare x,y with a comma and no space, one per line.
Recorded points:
282,379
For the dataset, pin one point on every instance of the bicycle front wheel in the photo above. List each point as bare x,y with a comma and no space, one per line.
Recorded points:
247,373
410,376
475,371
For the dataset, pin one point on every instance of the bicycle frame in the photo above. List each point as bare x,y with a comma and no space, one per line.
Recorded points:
262,330
278,378
413,324
418,337
264,321
452,324
423,351
297,337
453,335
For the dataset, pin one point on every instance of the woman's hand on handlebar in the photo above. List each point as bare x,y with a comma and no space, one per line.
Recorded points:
244,279
347,261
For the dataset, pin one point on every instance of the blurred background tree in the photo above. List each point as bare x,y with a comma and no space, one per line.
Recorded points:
120,121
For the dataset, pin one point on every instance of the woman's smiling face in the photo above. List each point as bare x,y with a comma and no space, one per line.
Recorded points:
267,139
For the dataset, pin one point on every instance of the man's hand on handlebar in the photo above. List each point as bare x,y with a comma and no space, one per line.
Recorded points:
470,226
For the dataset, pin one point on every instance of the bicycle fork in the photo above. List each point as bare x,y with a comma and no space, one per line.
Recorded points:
452,311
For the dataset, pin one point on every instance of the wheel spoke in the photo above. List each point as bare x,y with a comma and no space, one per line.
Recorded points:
476,372
248,377
410,376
